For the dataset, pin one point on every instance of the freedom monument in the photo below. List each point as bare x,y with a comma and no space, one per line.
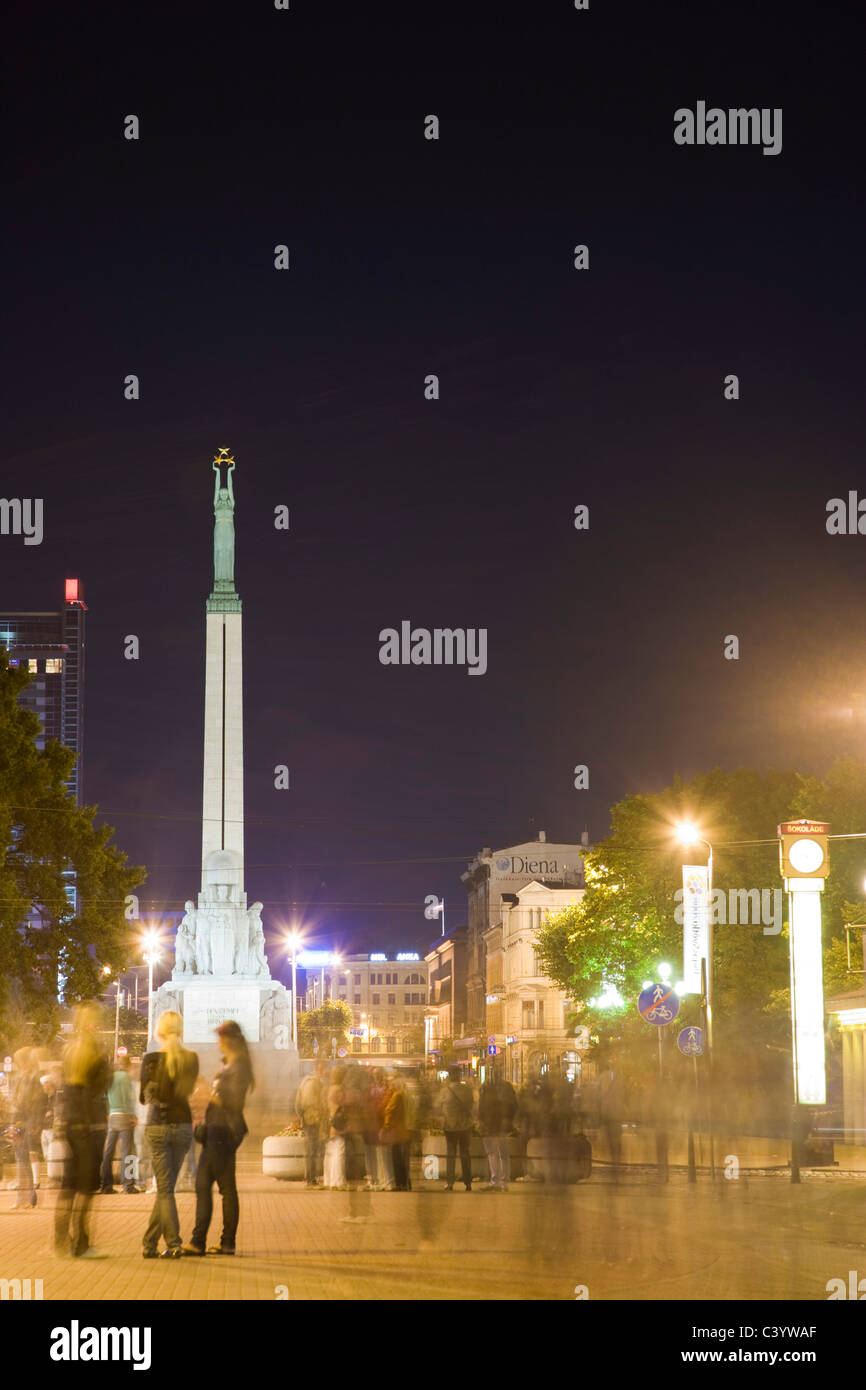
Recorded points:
221,970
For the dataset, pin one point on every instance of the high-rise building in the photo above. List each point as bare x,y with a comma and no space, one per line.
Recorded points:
51,647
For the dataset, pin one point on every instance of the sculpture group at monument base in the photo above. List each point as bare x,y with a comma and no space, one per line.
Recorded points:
263,1011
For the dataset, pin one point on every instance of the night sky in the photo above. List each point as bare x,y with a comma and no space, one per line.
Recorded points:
558,387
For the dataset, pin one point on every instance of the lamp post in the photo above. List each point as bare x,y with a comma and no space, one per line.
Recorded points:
294,941
150,955
688,834
116,1018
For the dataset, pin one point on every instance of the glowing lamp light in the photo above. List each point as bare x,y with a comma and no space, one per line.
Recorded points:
610,998
687,832
680,988
647,984
665,971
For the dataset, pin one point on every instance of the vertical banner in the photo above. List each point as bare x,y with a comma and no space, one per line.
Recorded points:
696,910
807,998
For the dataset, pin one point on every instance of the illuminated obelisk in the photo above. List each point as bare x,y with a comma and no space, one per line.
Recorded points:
223,790
221,971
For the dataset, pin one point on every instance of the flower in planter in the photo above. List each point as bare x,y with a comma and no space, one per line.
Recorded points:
292,1130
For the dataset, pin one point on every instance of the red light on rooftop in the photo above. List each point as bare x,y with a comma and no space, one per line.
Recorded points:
72,591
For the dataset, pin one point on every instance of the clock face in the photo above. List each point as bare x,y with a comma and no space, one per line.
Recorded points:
806,856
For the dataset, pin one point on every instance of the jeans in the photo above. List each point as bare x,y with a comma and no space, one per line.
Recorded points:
80,1180
499,1159
21,1144
455,1138
312,1152
216,1165
119,1127
168,1145
400,1160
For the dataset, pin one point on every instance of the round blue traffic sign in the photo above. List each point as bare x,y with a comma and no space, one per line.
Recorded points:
690,1041
659,1004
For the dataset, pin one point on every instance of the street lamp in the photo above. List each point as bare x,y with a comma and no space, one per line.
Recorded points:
293,943
688,834
151,954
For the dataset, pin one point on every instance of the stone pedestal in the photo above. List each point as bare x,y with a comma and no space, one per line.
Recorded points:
262,1008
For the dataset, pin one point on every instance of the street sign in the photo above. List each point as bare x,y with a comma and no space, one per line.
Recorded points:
341,1052
658,1004
690,1041
492,1050
356,1032
493,1039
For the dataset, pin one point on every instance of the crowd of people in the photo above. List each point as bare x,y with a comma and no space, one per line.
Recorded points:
360,1125
84,1107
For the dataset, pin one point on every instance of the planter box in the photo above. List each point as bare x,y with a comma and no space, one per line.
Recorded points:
434,1146
283,1156
559,1160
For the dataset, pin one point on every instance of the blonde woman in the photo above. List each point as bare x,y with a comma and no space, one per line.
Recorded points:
83,1109
167,1081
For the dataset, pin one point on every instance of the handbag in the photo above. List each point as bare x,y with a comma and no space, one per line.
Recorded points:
339,1119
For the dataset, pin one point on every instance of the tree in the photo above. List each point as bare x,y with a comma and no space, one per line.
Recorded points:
333,1019
625,926
45,840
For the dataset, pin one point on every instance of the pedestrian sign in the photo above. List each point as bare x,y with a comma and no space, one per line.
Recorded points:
492,1050
659,1004
690,1041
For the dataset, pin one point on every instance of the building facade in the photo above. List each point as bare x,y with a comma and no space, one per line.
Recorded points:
492,873
526,1013
388,998
446,1008
51,647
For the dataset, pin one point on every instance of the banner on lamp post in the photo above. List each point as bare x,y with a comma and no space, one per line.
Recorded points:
696,918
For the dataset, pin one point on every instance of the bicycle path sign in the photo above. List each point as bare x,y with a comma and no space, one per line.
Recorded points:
658,1004
691,1042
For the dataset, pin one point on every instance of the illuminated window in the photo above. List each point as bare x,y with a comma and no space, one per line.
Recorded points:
33,664
54,665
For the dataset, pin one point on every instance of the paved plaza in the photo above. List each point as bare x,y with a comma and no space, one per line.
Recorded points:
754,1238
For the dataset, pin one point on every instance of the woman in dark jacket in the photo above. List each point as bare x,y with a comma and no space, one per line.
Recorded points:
222,1133
81,1119
167,1081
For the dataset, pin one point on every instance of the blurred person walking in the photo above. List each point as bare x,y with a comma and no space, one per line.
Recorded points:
311,1108
355,1118
222,1134
121,1126
394,1134
29,1108
167,1080
82,1105
497,1107
335,1147
457,1111
380,1167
